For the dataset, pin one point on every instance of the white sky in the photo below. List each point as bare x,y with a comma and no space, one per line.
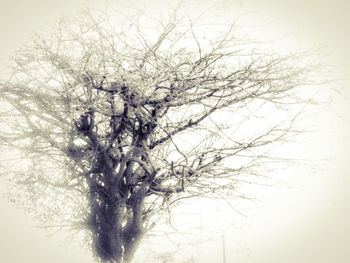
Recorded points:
304,225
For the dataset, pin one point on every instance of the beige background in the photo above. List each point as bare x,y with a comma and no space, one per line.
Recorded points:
304,226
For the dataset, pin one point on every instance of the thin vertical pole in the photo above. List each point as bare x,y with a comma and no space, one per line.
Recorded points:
223,249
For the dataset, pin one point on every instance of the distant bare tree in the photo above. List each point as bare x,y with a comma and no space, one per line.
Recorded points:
114,123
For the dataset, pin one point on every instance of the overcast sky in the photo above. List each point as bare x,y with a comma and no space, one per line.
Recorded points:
307,225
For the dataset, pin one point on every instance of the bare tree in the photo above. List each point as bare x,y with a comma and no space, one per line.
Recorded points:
114,123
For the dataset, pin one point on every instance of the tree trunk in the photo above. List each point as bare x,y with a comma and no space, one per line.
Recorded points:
116,224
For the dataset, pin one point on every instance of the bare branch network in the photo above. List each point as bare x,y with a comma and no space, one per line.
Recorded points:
114,123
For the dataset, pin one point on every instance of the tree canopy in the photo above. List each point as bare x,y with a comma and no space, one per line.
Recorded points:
113,123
